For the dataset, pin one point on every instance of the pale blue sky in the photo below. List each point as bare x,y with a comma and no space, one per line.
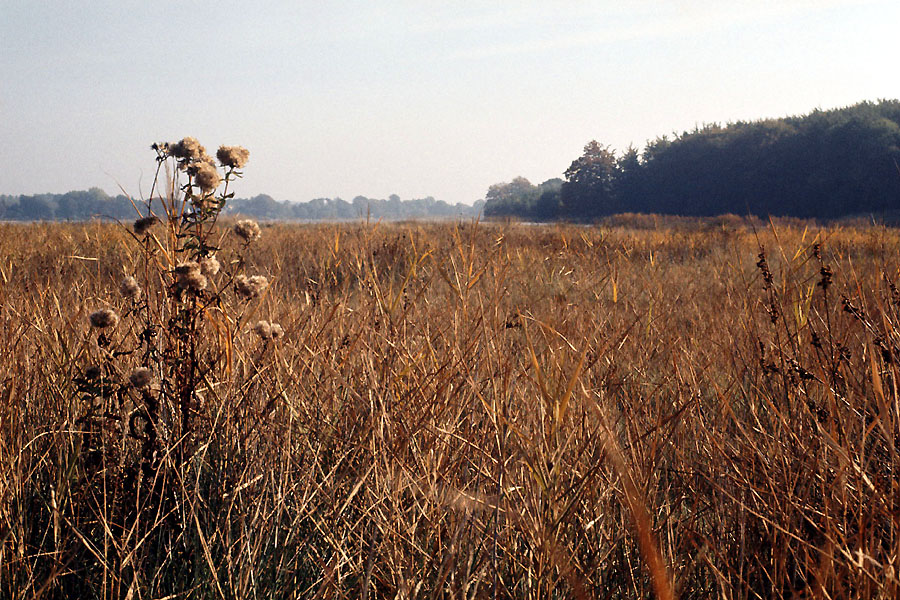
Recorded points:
416,98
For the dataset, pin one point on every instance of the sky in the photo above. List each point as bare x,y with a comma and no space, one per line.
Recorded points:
416,98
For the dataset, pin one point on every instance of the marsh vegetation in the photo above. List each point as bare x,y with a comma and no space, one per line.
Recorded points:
468,410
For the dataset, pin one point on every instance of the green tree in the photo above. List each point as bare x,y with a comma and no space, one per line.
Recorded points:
41,207
628,188
549,203
589,189
516,198
79,205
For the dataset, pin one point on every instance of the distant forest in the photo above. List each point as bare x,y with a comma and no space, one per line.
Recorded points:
95,203
826,165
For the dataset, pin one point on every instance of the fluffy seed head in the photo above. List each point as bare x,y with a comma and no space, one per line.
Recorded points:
247,230
143,225
206,177
141,377
263,329
193,281
209,265
206,158
188,276
277,331
187,149
233,156
250,287
187,267
130,288
103,318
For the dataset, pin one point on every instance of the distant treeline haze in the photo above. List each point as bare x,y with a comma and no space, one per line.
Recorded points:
826,164
82,205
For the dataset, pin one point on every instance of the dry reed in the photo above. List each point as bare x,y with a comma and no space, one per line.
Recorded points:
463,411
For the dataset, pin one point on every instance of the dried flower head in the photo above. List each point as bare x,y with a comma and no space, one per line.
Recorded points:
205,175
209,265
130,288
250,287
247,230
187,267
141,377
187,149
277,331
193,281
263,329
233,156
188,276
143,225
206,158
103,318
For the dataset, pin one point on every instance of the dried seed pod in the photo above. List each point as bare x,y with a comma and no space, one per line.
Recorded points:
233,156
103,318
187,149
141,377
144,224
209,265
247,230
263,329
250,287
130,288
189,276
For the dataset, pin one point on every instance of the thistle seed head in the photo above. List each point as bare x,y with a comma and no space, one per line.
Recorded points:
103,318
205,175
130,288
187,149
141,377
206,158
143,225
233,156
188,276
263,329
209,265
247,230
277,331
250,287
187,267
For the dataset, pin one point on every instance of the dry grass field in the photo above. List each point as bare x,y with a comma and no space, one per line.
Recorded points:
678,409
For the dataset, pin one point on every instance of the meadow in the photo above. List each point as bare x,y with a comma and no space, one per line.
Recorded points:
645,408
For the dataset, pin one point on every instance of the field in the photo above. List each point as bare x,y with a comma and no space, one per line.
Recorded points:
639,409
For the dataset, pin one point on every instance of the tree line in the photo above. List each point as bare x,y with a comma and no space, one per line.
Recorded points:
826,165
96,203
361,207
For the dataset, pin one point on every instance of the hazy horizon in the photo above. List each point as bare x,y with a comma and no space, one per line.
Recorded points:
407,99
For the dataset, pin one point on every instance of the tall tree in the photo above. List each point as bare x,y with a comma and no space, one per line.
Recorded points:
589,190
549,203
517,197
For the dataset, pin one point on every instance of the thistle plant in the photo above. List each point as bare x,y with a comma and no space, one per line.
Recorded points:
158,357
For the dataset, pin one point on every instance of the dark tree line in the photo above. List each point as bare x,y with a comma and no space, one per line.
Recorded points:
95,203
826,164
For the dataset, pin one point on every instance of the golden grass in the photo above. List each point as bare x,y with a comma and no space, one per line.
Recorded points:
472,411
